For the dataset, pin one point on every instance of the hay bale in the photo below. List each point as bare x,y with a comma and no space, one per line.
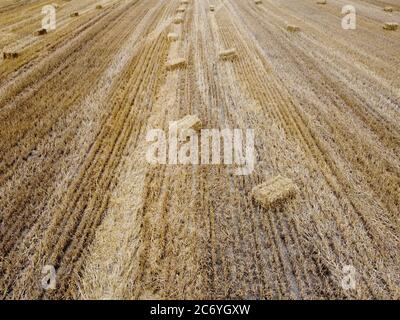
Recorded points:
10,55
74,14
388,9
176,63
180,9
321,2
228,54
189,122
99,6
292,28
257,1
212,8
184,1
274,192
178,20
172,37
393,26
40,32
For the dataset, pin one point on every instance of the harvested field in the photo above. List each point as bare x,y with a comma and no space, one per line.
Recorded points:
77,192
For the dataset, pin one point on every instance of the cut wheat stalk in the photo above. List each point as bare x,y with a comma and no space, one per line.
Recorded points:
274,192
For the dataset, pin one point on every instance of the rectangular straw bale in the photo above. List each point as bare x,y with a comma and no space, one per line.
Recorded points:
176,63
190,122
273,192
391,26
40,32
292,28
172,37
10,55
178,19
228,54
